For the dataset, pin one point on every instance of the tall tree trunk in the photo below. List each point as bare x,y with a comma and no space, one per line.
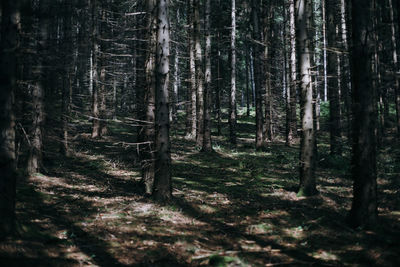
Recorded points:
267,32
286,77
346,72
257,57
35,159
162,179
102,86
325,58
307,157
94,72
364,207
147,133
218,87
232,96
333,79
199,75
247,80
395,66
207,146
293,76
67,85
8,68
192,102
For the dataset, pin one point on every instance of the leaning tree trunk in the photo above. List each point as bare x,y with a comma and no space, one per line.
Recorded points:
307,157
9,43
232,96
162,178
207,146
364,207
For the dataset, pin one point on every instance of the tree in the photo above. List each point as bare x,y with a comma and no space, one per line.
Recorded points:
395,66
146,135
364,206
207,146
8,67
162,178
94,71
35,158
232,96
307,142
292,120
333,78
199,74
257,66
191,125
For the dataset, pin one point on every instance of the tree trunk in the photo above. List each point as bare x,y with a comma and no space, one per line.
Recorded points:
257,57
8,68
247,80
35,159
67,84
333,79
207,146
232,96
199,75
218,86
346,72
267,32
191,128
364,207
162,179
307,157
325,60
293,76
147,135
395,66
94,72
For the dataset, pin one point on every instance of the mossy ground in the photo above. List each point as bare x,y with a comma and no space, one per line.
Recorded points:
232,207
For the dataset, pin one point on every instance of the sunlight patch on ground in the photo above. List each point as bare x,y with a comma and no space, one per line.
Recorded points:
324,255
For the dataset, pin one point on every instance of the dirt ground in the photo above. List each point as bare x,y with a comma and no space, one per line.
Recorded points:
232,207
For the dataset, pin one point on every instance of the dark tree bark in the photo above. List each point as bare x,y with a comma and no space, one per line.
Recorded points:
333,79
257,57
395,65
364,207
162,178
232,96
247,80
67,83
146,135
307,157
8,68
267,34
94,71
35,158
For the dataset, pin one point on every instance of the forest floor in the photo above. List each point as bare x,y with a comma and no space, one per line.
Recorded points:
232,207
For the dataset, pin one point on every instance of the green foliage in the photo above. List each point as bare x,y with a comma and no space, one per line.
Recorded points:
223,261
